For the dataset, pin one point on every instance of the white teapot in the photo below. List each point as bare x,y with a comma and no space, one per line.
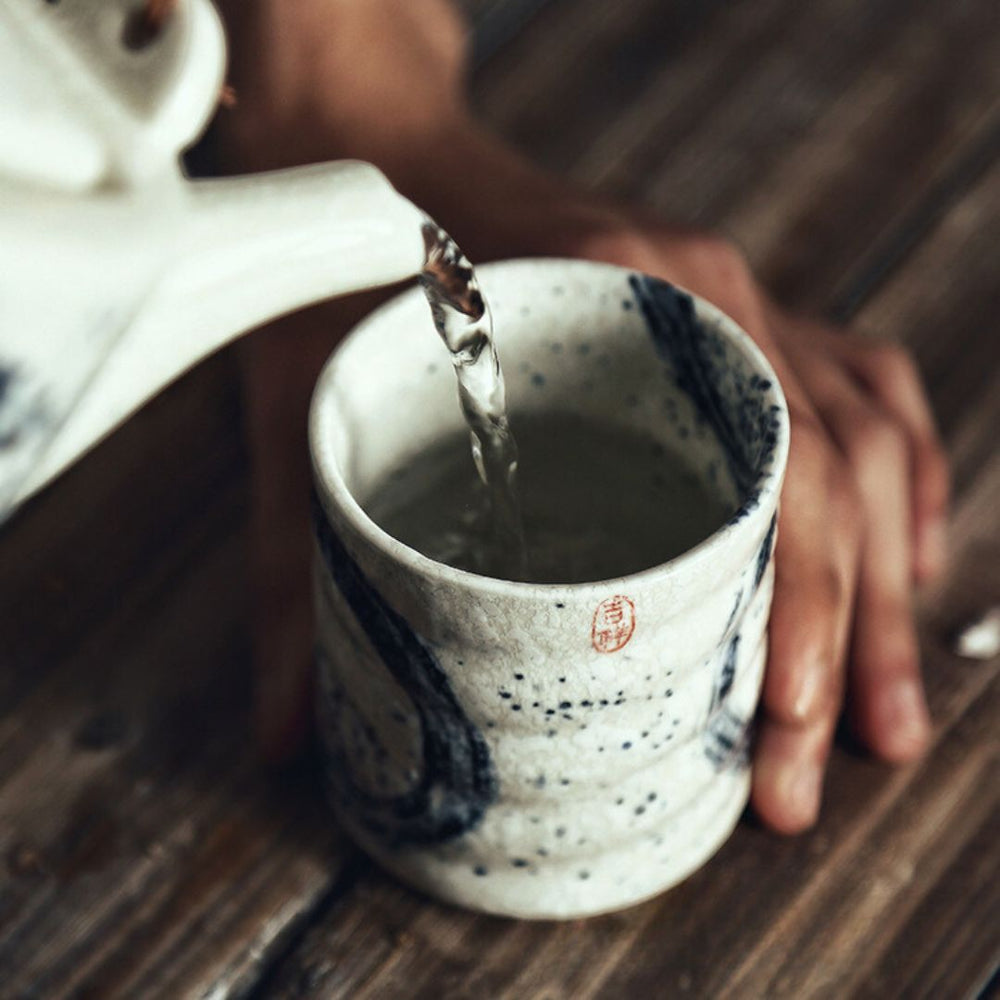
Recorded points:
117,273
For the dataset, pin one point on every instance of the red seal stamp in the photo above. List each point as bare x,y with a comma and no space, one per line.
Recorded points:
613,625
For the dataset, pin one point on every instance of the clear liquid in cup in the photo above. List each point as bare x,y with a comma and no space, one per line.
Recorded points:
596,502
463,321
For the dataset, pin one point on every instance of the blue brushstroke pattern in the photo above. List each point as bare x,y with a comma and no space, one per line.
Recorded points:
745,427
457,782
727,736
764,553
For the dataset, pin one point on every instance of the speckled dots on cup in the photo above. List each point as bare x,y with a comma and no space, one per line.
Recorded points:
546,750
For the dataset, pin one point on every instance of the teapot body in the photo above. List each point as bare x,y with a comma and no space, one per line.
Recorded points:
117,273
75,274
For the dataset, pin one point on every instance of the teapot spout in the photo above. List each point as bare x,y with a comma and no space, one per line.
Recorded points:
259,246
248,250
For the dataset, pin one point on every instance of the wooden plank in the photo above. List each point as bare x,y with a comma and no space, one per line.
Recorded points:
145,849
556,89
885,255
957,921
925,305
830,937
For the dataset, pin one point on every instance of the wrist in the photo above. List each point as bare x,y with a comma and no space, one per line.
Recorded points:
491,199
327,79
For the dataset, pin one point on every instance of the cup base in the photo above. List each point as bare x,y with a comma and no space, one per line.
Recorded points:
583,888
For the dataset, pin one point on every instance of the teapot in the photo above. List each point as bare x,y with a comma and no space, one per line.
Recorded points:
117,272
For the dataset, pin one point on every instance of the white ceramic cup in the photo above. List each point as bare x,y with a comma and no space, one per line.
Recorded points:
551,750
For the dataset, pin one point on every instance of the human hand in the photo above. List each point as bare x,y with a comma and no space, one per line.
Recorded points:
865,496
863,515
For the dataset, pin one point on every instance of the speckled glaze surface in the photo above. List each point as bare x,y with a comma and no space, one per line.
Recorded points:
546,750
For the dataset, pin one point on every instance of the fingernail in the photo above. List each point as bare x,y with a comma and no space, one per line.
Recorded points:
906,720
802,787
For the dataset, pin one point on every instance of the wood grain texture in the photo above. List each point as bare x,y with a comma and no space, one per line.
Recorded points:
145,851
773,122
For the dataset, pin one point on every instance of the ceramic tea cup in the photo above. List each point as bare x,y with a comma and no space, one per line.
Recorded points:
546,750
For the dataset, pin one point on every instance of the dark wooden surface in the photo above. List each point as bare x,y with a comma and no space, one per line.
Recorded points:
853,149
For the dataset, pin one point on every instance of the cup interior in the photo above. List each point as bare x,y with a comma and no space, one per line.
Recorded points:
574,338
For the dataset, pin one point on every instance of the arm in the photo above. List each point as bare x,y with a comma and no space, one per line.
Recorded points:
864,504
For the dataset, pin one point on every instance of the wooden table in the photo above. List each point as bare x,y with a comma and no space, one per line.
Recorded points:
853,149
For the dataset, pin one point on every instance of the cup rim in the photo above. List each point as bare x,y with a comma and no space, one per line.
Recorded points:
332,490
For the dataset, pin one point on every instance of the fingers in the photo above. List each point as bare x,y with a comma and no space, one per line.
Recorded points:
888,706
789,766
886,374
890,375
815,567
